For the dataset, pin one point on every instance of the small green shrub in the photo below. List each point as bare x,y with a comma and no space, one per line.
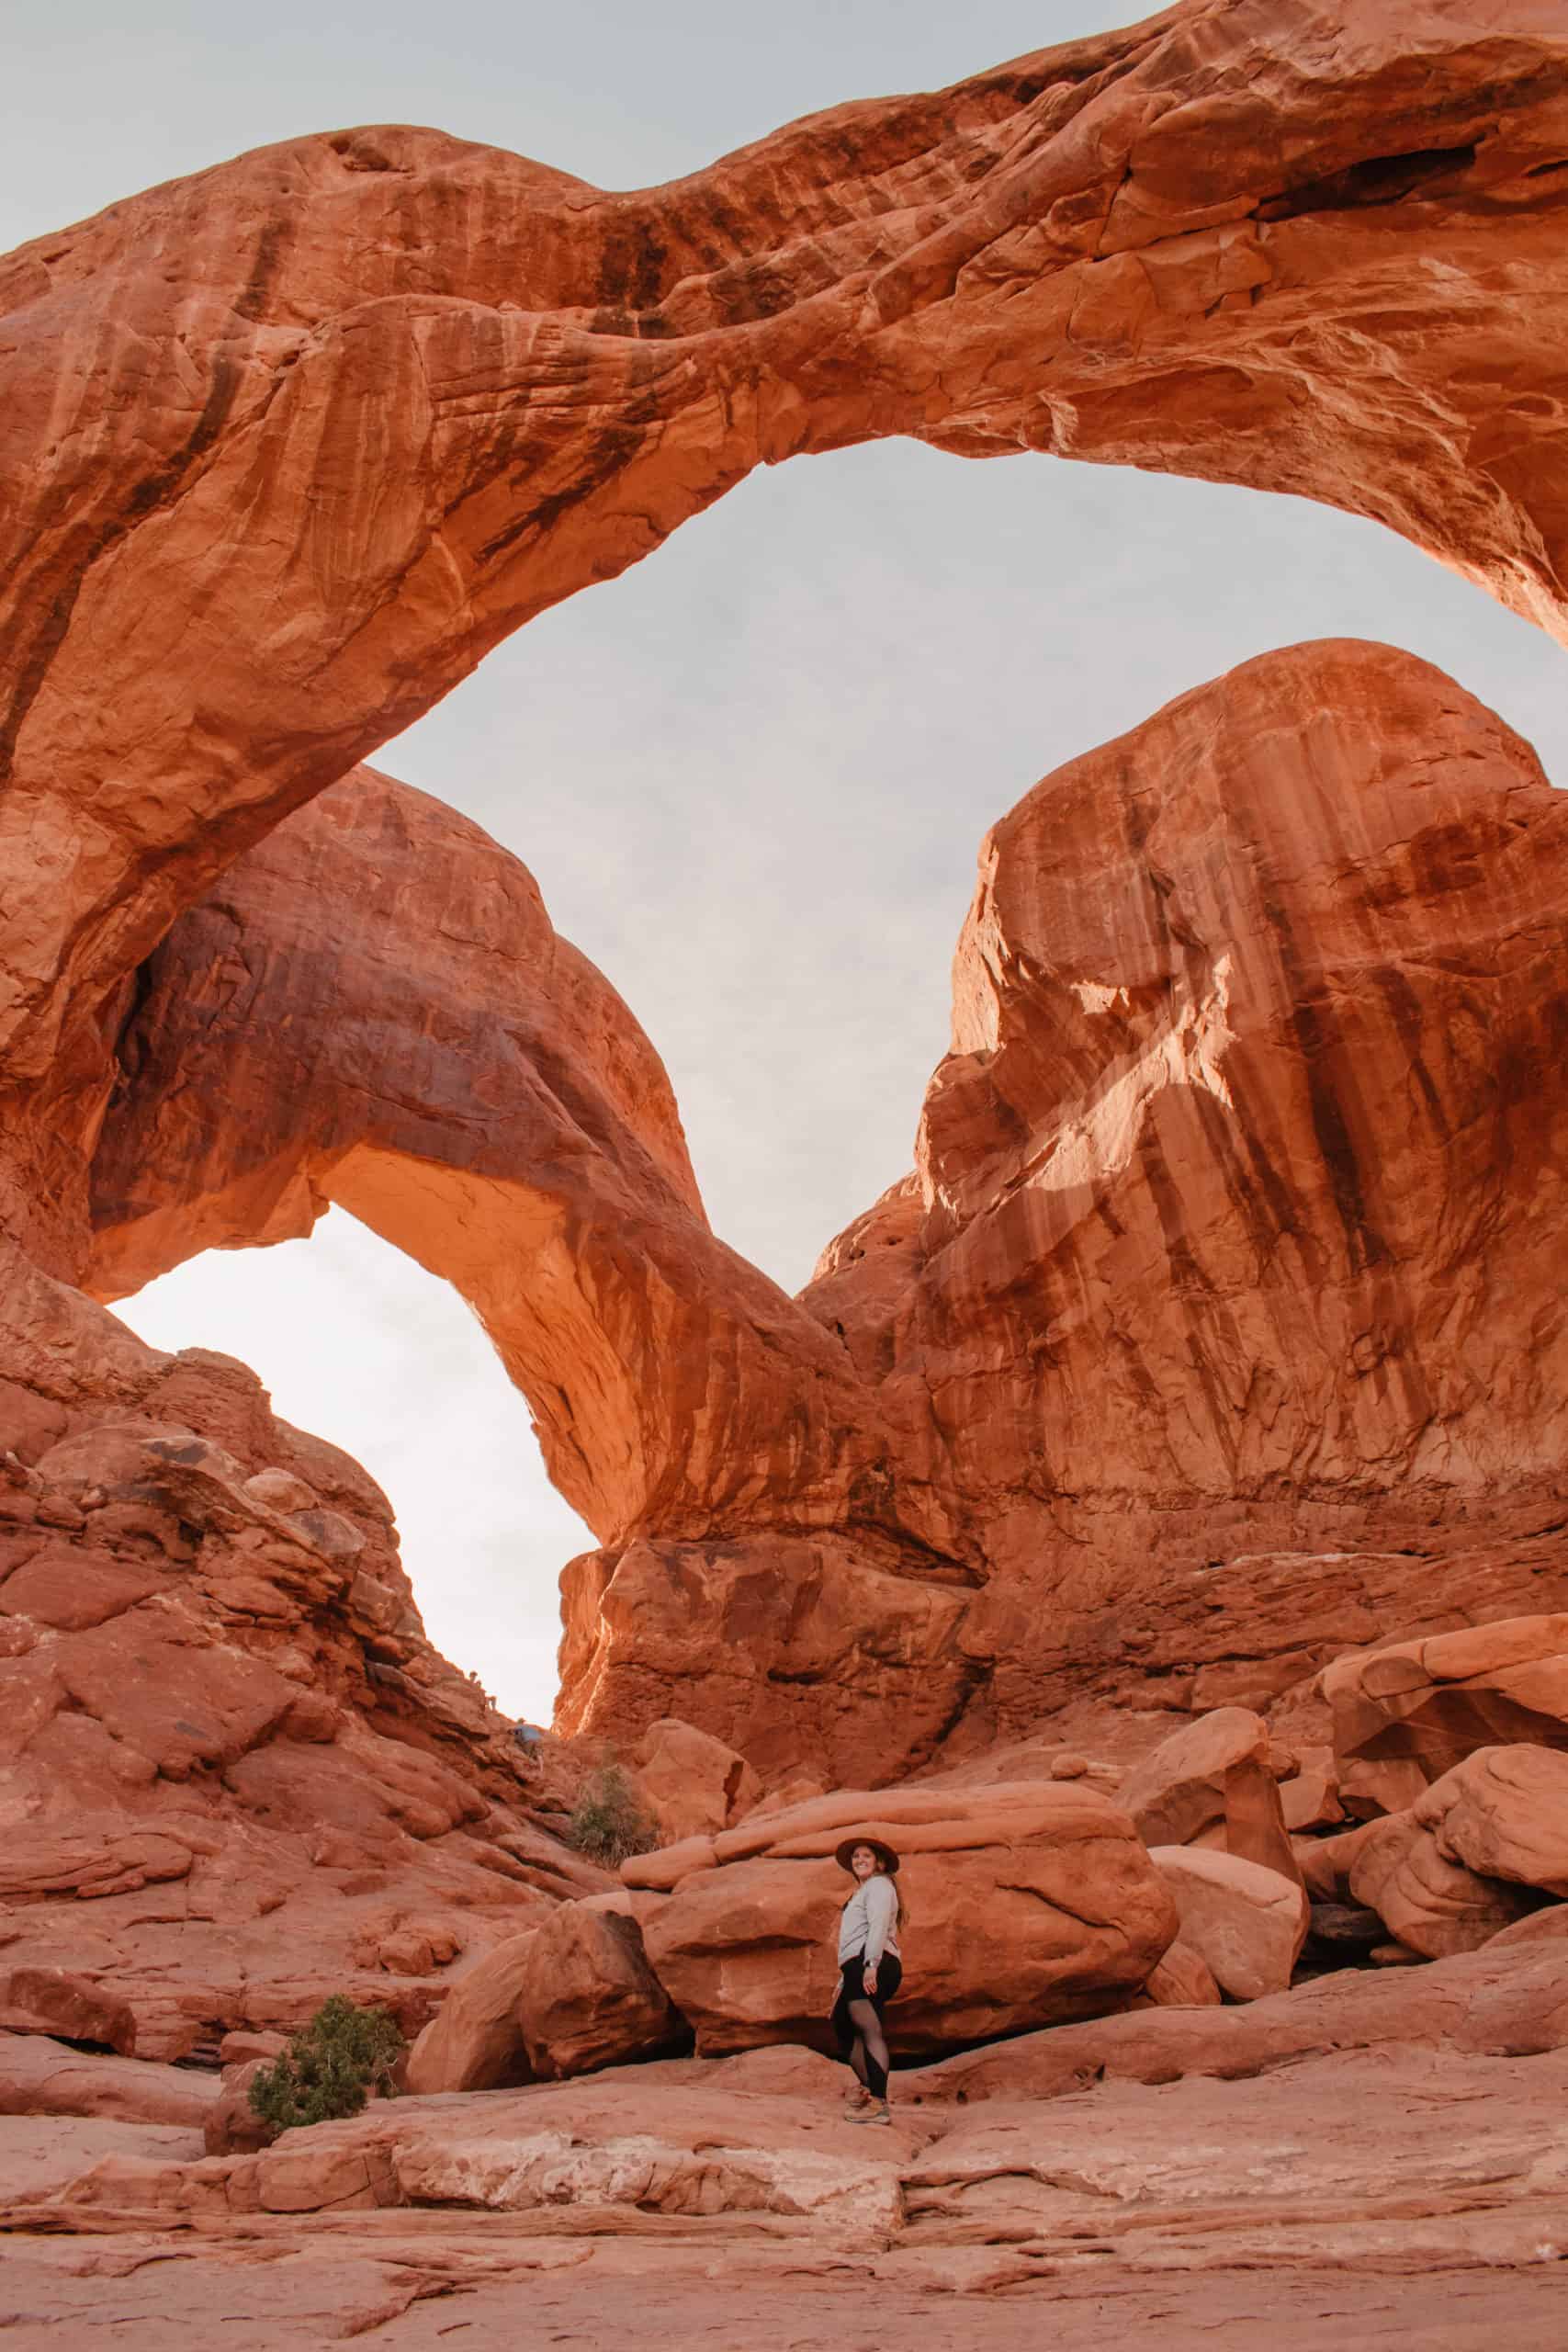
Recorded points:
330,2067
606,1823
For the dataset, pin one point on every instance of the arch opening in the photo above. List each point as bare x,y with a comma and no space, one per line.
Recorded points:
359,1346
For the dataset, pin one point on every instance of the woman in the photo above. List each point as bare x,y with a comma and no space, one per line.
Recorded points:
869,1971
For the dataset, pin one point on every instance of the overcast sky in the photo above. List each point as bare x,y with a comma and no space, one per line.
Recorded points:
751,775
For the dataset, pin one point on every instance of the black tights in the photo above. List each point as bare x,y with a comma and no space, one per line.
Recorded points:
868,2054
857,2020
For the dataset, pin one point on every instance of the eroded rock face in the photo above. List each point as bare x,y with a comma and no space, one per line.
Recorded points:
236,1777
1259,1013
1221,1096
373,1008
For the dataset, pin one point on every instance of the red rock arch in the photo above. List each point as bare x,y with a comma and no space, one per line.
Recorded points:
372,1007
290,445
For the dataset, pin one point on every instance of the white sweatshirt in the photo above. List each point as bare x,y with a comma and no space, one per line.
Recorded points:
869,1923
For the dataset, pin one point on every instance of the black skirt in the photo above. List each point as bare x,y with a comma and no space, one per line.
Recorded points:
851,1987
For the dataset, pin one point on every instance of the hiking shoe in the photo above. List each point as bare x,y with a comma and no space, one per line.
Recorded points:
879,2112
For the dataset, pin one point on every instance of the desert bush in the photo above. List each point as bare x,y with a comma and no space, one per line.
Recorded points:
606,1823
330,2067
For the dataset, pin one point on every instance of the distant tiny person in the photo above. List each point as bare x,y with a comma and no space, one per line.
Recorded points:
870,1971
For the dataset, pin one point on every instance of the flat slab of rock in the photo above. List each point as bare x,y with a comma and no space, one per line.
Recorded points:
1494,2003
38,2076
42,2155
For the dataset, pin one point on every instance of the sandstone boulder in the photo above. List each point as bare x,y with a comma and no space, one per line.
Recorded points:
1405,1714
1213,1783
1503,1814
72,2008
1428,1903
586,1996
1326,1863
692,1783
475,2041
1026,1902
1183,1980
1247,1923
232,2126
40,2076
1309,1797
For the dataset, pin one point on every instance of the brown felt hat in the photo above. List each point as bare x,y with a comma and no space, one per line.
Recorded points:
884,1854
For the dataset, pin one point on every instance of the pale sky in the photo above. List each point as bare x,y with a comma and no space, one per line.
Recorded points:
751,775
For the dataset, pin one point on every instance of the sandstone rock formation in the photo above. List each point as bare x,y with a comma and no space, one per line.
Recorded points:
475,2041
1215,1333
1486,1843
1208,1286
1430,1902
692,1783
447,1068
1140,248
1115,1184
731,2199
1149,246
1504,1812
236,1776
1213,1783
587,1997
1026,1902
1404,1712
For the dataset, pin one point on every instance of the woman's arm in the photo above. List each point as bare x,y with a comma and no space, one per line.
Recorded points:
881,1904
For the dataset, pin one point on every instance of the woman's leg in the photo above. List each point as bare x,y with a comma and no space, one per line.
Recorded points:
851,2049
868,2027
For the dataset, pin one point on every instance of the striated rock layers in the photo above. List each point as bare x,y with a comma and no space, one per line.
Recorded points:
287,446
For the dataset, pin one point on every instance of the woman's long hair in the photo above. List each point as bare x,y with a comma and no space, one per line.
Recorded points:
901,1914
